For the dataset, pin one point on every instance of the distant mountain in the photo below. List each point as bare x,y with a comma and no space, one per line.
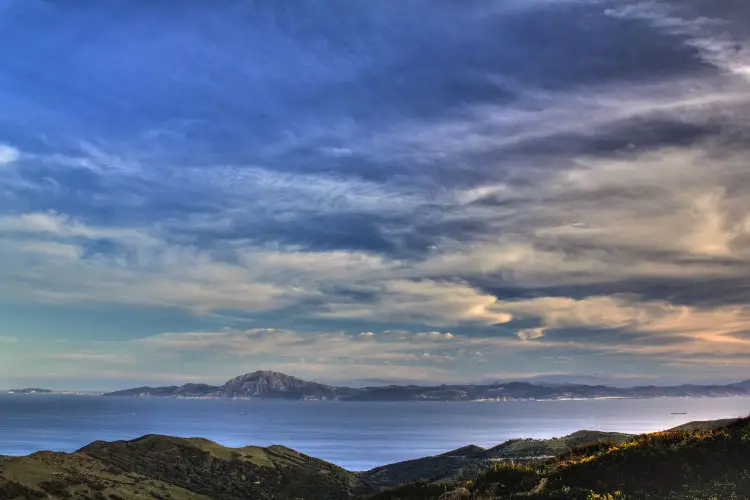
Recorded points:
187,390
260,384
274,385
268,384
163,467
581,379
31,390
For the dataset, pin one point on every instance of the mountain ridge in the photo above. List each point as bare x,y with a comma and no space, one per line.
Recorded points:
166,467
266,384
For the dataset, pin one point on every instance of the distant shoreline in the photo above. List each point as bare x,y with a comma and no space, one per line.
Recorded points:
272,385
276,385
54,393
368,401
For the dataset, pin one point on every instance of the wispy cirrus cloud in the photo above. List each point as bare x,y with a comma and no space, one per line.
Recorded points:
96,357
8,154
523,200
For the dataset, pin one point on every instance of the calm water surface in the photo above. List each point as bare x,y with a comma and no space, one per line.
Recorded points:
354,435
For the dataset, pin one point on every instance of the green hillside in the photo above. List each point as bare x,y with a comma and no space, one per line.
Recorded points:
698,461
705,464
468,461
161,467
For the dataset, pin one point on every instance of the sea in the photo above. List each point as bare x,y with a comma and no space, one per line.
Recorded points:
356,436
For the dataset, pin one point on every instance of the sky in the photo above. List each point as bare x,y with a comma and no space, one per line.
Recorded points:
371,192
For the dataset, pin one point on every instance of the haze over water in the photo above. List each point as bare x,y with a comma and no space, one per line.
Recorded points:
354,435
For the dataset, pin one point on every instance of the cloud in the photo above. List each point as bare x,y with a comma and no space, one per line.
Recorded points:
704,33
95,357
436,335
656,215
97,378
426,301
622,331
8,154
8,339
394,354
139,269
527,201
530,333
254,341
55,224
145,269
295,344
661,326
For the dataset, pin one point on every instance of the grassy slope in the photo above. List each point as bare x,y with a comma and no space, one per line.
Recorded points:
704,425
158,467
705,464
663,464
550,447
470,460
59,475
704,460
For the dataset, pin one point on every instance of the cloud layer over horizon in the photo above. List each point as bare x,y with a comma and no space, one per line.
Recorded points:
358,191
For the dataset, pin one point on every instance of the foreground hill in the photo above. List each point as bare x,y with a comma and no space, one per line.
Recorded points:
161,467
701,464
708,461
274,385
466,462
